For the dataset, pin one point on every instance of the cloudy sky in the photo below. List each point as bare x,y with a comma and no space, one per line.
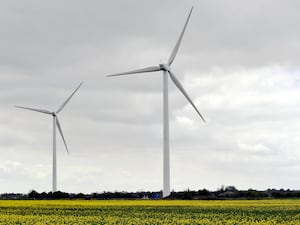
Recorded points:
239,62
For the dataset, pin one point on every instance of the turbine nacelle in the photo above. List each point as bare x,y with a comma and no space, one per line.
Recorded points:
164,67
54,114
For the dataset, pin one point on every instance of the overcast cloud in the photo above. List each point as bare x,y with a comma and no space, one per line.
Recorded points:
239,61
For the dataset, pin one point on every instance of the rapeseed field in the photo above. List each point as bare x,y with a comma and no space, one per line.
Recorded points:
141,212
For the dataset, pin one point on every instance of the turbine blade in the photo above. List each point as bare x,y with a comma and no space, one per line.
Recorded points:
144,70
179,86
36,110
61,133
68,99
175,50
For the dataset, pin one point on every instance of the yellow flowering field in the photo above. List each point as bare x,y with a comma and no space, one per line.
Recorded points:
265,212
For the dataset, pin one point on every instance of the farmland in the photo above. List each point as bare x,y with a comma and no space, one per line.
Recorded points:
149,212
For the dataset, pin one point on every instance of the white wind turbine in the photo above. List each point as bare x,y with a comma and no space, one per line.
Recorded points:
55,124
167,70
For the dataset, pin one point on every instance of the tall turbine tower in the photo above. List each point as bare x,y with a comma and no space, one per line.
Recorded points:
167,71
56,123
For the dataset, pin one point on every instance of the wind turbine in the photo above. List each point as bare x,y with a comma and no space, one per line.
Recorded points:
56,123
167,71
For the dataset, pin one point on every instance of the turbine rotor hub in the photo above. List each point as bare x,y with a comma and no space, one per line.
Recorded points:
164,67
53,114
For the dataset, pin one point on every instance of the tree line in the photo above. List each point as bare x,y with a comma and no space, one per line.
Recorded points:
229,192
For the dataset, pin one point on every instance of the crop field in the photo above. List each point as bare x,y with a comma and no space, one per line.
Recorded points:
141,212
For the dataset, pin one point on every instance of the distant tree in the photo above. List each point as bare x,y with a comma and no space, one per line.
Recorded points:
221,189
33,194
230,188
203,192
60,195
80,195
43,195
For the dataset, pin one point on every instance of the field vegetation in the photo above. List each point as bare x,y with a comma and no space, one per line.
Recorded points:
142,212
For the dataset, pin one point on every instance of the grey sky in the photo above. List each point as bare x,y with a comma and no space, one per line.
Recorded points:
239,62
